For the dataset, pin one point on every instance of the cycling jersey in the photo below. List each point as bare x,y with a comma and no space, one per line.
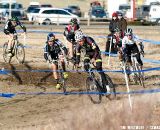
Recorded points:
129,46
91,48
9,28
54,50
69,32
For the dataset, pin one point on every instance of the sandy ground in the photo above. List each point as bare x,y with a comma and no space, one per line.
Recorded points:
70,112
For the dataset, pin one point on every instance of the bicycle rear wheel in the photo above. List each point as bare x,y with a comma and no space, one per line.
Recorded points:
6,58
93,88
20,53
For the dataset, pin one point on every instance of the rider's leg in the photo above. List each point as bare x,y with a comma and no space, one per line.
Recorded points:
10,41
55,75
70,46
102,74
65,74
86,63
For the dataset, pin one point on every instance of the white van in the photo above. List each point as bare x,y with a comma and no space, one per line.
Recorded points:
54,15
154,13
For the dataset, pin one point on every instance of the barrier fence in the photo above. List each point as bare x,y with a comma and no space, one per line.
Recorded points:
9,95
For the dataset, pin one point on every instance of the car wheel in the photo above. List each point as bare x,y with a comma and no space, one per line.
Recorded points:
158,22
47,22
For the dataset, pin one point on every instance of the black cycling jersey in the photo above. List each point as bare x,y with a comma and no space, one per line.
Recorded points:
91,48
9,28
54,50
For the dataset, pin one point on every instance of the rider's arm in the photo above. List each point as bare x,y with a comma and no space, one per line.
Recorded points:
46,52
78,53
65,32
6,30
22,26
111,29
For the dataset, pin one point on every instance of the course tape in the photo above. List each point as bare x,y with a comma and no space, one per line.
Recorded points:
117,71
11,95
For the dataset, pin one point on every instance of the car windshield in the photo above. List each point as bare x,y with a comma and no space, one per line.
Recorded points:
31,8
98,11
73,7
6,6
124,7
35,11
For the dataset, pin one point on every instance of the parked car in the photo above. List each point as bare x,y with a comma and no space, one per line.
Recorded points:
54,15
154,15
98,12
75,10
142,12
16,13
4,7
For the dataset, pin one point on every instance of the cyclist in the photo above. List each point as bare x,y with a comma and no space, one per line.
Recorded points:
92,52
54,50
9,30
113,25
122,23
129,45
69,33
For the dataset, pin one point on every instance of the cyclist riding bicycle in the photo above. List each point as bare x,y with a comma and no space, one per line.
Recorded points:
129,46
9,30
113,25
53,51
92,52
69,33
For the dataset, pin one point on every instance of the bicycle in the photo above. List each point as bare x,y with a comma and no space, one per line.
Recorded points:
95,88
16,50
138,75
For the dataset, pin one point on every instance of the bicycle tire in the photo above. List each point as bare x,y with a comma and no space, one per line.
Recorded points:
141,77
5,53
112,88
62,81
20,52
92,87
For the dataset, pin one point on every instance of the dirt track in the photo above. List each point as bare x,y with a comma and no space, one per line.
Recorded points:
60,112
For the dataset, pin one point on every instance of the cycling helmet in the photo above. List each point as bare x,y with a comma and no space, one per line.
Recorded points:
128,31
114,14
50,37
79,36
73,21
14,18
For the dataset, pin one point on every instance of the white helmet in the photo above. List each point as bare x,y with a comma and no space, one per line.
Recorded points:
79,36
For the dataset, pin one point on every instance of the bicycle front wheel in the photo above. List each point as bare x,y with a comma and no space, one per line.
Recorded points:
111,89
140,76
92,89
20,53
6,58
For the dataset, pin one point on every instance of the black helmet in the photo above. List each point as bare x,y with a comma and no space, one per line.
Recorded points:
14,18
128,31
51,37
74,21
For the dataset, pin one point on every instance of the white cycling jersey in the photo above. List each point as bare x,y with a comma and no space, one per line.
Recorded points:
127,41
